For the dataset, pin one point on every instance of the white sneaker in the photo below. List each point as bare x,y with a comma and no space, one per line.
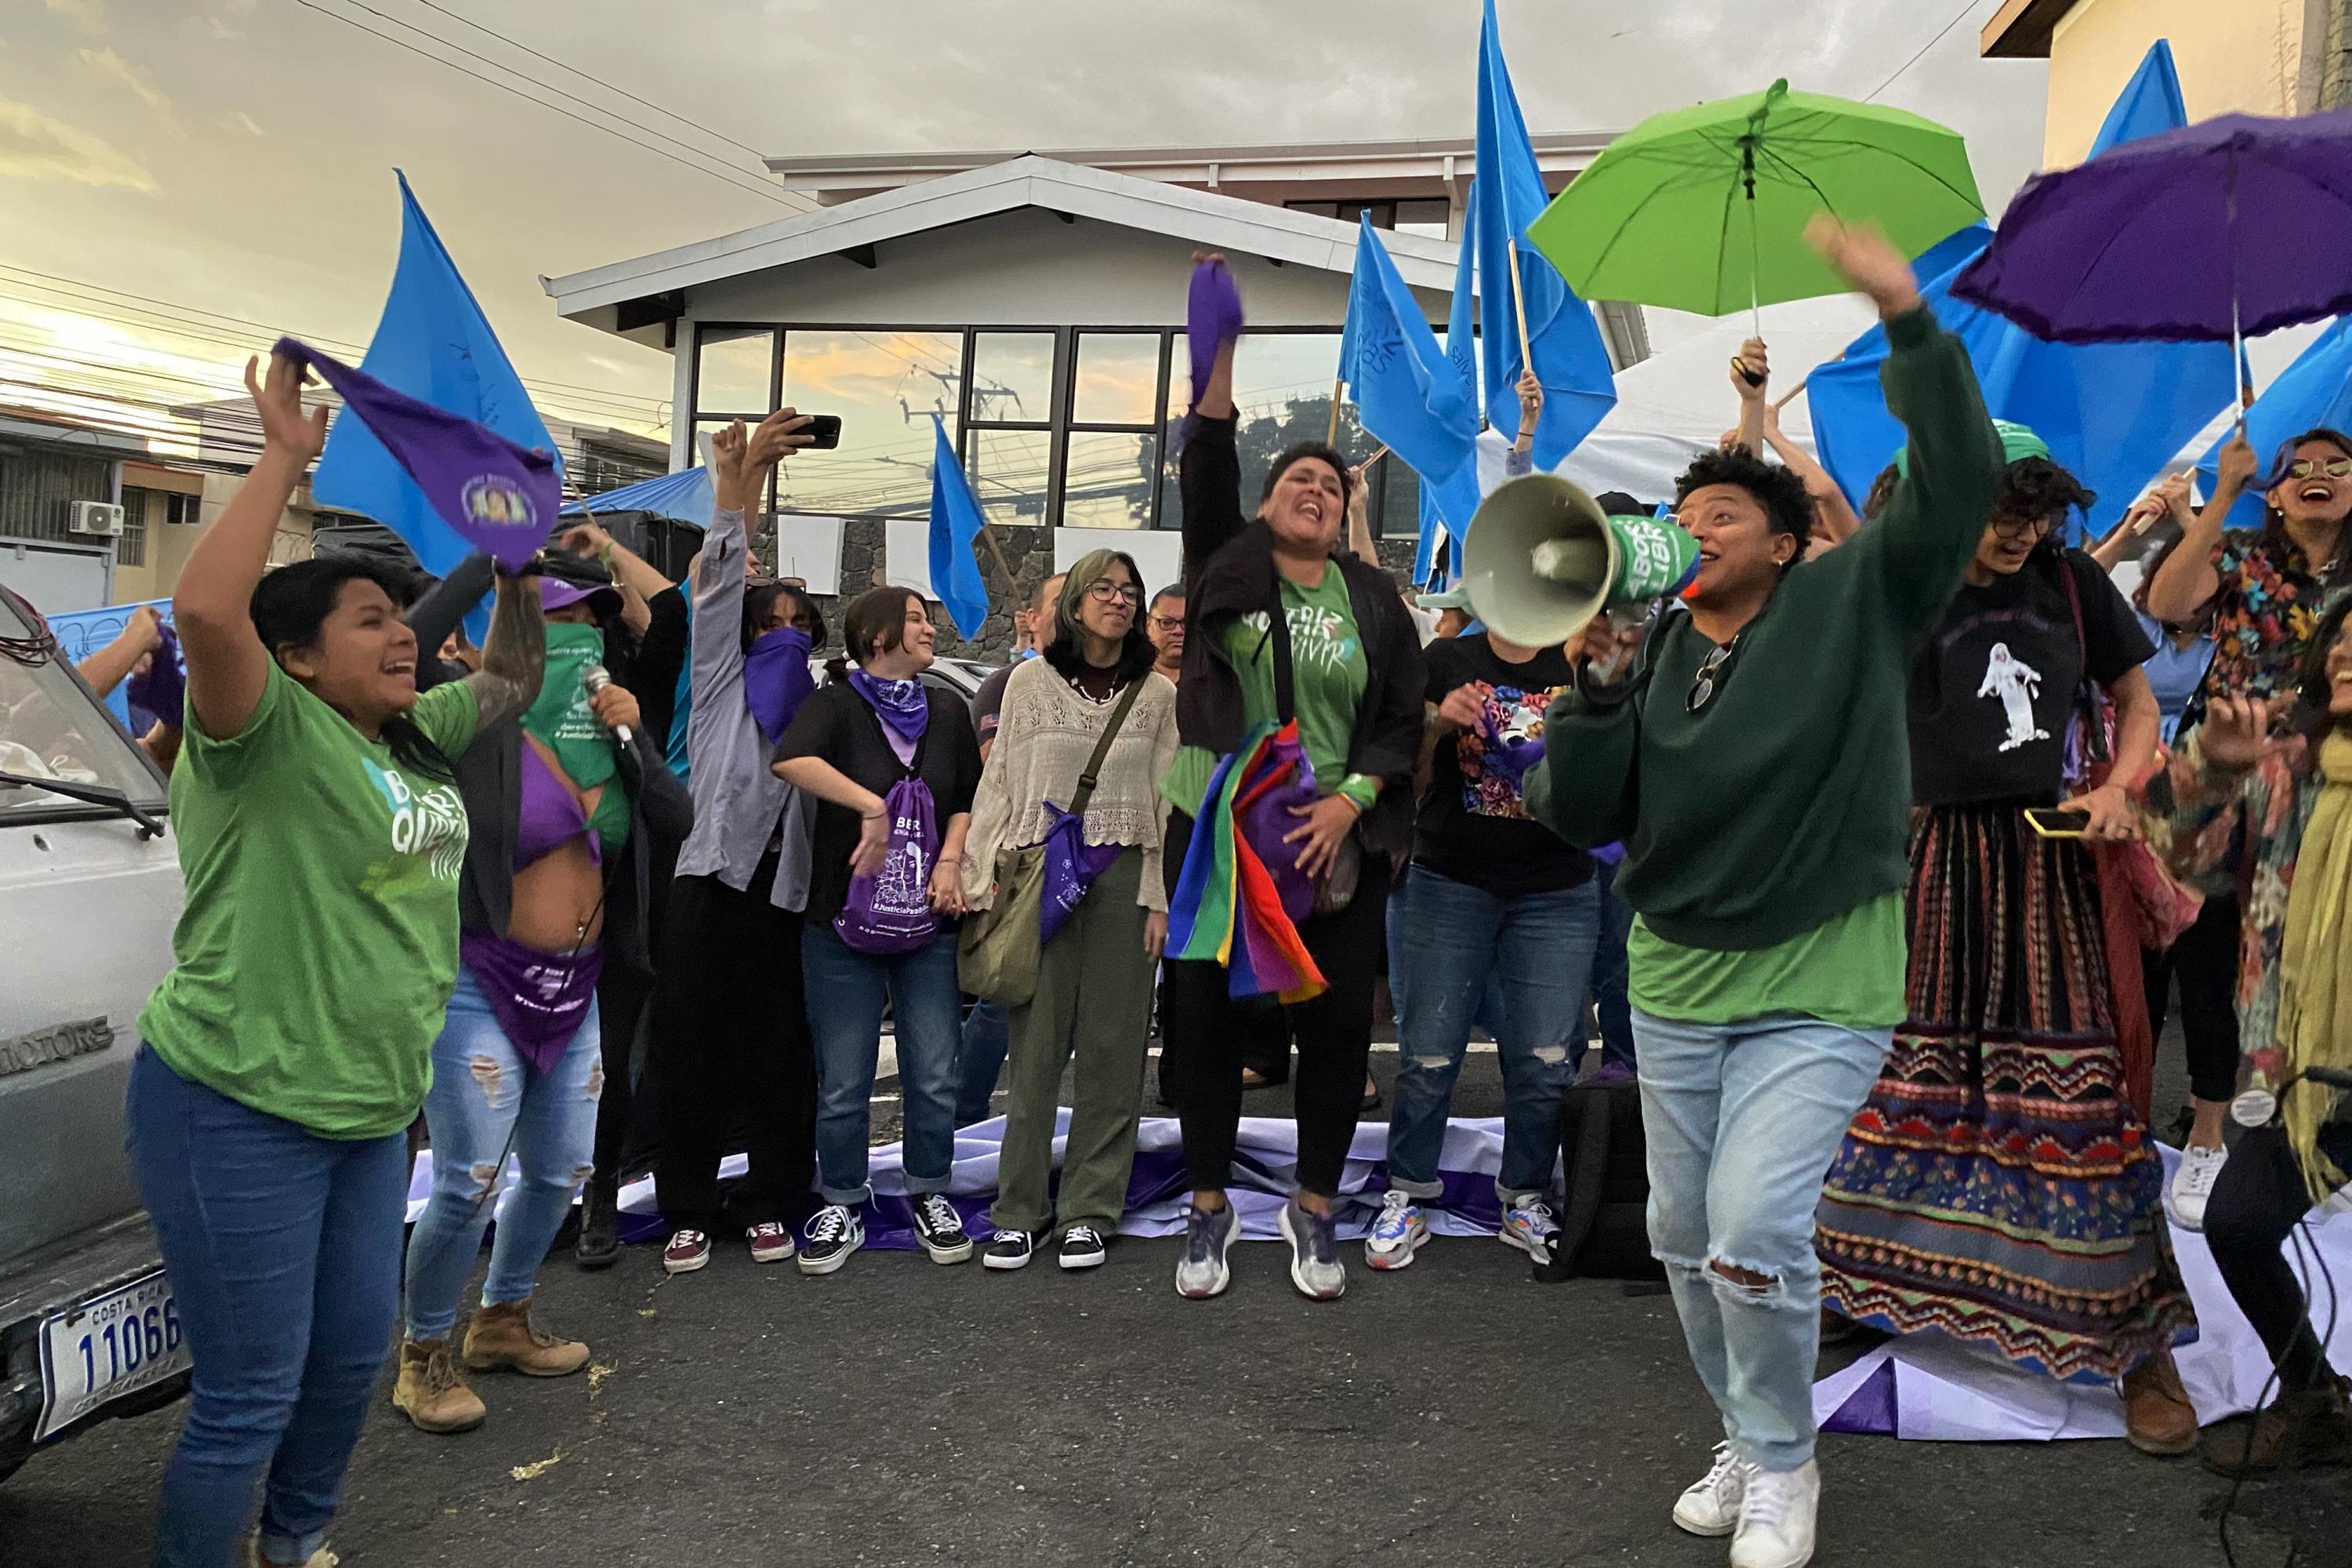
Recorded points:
2192,1183
1528,1224
1711,1506
1398,1233
1776,1519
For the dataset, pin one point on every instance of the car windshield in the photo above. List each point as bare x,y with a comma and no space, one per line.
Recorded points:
50,727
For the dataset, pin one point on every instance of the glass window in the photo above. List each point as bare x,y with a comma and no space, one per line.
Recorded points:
1282,386
1009,471
51,729
1117,380
1108,479
1013,378
885,385
1398,489
733,370
131,549
1427,219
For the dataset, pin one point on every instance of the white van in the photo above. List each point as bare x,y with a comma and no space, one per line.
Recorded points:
89,890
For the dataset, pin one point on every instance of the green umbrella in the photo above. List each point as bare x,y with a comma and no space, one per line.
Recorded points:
1704,208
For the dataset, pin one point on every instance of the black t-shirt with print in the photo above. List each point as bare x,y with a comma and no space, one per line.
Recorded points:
838,725
1992,693
1473,827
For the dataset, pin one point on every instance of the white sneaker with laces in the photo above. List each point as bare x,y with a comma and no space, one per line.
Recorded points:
1776,1519
1397,1234
1528,1225
1711,1504
2193,1184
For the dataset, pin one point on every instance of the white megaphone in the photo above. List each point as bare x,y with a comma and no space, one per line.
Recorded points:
1542,559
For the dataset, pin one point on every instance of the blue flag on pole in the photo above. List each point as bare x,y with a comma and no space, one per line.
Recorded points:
2114,414
433,343
1461,352
955,528
2315,392
1570,359
1407,392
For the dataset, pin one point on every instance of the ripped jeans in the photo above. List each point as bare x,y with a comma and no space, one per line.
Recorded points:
1742,1121
1453,948
487,1102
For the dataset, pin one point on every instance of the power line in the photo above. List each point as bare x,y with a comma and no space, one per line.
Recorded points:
590,76
770,193
1964,11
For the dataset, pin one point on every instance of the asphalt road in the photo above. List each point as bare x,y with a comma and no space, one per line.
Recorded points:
899,1412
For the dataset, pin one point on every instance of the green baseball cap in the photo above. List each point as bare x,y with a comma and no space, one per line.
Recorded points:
2017,441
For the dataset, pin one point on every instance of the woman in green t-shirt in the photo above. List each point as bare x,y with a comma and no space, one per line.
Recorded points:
321,835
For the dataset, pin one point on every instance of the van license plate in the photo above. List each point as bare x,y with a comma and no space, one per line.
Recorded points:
107,1349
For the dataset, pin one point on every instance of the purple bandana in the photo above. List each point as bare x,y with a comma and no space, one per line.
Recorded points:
902,706
776,679
540,999
498,497
1213,318
162,688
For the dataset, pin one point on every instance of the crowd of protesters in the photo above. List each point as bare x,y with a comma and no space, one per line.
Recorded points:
1781,852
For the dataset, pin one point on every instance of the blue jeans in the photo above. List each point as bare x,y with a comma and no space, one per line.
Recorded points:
1742,1121
1613,1012
488,1102
284,1253
980,1059
1460,942
846,991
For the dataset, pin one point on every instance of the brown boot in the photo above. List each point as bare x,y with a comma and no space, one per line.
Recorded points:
433,1391
2310,1427
503,1336
2157,1417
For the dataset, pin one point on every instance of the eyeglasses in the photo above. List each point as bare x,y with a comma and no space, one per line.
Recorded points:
2334,467
1167,623
2019,527
1710,675
1102,590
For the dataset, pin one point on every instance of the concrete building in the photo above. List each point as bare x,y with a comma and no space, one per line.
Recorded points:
2253,57
52,469
1036,301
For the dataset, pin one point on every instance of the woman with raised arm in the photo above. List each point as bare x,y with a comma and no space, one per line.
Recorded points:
322,835
1285,624
730,1026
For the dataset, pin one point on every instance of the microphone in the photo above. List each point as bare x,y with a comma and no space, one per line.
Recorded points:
596,677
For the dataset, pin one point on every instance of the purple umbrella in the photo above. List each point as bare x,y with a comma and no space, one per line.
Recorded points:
2236,226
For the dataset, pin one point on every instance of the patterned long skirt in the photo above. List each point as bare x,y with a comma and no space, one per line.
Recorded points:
1996,1185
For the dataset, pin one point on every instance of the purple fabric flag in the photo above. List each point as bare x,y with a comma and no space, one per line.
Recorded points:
499,497
1213,318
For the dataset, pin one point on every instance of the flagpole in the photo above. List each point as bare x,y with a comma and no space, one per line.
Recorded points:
1332,433
988,533
1519,303
1790,396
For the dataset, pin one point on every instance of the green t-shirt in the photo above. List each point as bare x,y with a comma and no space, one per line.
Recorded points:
319,944
1328,678
1846,971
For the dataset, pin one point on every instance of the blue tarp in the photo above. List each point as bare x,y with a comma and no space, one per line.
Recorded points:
685,494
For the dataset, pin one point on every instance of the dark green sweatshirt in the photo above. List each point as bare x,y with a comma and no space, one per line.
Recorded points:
1785,801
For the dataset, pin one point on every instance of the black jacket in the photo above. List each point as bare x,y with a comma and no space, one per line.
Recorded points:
489,777
1229,572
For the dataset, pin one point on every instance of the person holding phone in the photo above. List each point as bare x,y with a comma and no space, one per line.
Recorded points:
1998,1185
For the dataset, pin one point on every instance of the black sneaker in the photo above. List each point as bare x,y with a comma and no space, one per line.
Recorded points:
1009,1249
941,1229
833,1234
1082,1248
599,1246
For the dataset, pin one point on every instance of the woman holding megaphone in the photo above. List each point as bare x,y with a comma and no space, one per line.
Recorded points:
1754,769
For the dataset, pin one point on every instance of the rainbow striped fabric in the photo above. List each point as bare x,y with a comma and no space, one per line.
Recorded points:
1230,906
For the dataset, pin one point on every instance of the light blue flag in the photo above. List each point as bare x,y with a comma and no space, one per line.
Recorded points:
1571,359
433,343
955,528
2313,393
1433,535
1407,392
1461,352
2114,414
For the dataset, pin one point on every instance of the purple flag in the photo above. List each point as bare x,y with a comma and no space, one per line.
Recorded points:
1213,318
498,497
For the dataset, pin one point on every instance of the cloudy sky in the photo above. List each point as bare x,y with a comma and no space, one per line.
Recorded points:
235,157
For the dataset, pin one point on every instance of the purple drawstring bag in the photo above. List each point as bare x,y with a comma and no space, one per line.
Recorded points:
1070,866
1279,782
890,911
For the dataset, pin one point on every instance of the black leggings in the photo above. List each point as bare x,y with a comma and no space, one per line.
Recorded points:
622,993
2255,1205
1204,1029
730,1035
2205,961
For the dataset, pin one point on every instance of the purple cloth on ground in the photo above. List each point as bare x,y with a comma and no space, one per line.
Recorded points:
890,911
540,999
902,707
1267,819
162,687
1213,318
498,497
1071,865
1871,1410
776,679
2162,237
